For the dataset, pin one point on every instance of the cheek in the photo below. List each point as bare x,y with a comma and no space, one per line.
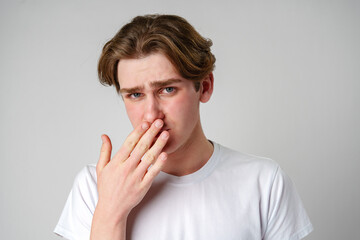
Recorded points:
134,114
182,110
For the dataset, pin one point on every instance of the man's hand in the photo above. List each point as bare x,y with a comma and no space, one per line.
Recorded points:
123,182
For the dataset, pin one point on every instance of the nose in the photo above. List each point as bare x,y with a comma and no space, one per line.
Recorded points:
153,110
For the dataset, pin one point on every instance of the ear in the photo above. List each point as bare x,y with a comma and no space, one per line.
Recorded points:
206,88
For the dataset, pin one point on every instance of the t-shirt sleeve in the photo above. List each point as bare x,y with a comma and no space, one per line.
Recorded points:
76,217
287,218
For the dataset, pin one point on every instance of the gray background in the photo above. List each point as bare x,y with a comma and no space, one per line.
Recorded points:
286,87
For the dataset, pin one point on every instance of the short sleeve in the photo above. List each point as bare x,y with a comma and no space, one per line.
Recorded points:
287,218
76,217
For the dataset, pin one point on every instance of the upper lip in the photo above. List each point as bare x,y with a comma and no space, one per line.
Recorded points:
161,130
164,128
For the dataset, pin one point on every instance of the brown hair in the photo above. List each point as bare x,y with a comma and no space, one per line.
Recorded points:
170,35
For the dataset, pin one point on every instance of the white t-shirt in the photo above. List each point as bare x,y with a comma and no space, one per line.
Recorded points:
234,196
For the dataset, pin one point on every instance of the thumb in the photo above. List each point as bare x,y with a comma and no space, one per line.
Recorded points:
105,153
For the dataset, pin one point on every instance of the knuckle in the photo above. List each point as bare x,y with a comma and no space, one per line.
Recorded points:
152,174
143,187
125,172
160,143
129,143
154,130
150,157
143,146
151,130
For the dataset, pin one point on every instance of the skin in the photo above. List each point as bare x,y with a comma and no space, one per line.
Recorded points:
163,108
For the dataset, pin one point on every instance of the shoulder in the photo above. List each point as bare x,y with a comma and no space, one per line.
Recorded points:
85,184
261,180
245,163
87,175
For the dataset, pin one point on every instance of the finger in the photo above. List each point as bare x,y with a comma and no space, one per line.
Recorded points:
151,155
130,142
145,142
105,153
154,170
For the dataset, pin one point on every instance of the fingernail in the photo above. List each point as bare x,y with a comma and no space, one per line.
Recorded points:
163,156
145,125
159,123
165,135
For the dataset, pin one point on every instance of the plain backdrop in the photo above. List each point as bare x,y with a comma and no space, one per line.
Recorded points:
287,85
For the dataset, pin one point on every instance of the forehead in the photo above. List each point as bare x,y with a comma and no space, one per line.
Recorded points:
143,71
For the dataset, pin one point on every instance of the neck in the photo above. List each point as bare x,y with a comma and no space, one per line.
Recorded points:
191,156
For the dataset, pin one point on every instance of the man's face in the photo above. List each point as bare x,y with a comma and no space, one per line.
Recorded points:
152,89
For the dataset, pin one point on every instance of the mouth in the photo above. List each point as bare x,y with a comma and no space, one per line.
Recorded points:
158,135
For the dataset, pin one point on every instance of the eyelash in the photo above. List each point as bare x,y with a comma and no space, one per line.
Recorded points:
131,95
166,90
172,90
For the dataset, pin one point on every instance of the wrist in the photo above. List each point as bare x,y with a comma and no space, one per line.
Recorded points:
107,226
112,216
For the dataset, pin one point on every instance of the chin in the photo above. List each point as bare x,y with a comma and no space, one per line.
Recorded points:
170,147
173,146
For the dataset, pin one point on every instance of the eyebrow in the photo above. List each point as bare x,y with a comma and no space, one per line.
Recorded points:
131,90
155,84
159,84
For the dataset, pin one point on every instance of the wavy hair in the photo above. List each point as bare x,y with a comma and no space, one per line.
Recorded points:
170,35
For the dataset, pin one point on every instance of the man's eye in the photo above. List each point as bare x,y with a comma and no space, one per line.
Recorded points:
169,89
135,95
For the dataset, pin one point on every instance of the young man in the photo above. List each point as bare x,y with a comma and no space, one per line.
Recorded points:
168,181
